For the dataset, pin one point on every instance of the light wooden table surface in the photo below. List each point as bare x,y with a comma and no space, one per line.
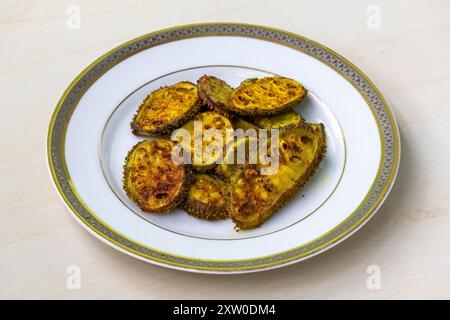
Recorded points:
408,58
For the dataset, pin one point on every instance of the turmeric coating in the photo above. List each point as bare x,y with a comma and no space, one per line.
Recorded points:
151,179
166,109
207,198
283,121
256,197
266,96
215,92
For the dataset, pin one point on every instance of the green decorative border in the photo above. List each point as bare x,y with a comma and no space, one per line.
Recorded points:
389,135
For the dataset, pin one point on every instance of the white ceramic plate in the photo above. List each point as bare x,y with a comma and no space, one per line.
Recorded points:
89,136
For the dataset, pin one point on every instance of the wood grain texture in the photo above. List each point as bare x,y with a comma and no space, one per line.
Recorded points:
408,59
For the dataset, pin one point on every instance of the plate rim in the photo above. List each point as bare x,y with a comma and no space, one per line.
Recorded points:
204,265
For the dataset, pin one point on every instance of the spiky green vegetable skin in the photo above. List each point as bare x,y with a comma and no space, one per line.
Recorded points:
255,197
265,96
152,180
215,92
166,109
207,198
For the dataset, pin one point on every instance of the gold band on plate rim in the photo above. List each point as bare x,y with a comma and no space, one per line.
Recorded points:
389,135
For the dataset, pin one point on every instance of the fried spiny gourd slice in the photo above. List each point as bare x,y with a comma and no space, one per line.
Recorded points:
202,160
240,123
256,197
207,198
283,121
151,179
215,92
265,96
237,154
166,109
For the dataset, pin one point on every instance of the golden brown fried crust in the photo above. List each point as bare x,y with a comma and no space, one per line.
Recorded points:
265,96
151,179
207,198
255,197
214,93
166,109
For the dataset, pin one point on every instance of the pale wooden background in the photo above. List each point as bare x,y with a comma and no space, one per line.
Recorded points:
408,58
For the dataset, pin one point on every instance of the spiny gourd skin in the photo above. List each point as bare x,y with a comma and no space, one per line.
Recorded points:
207,198
215,92
283,121
151,179
205,161
256,197
166,109
265,96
